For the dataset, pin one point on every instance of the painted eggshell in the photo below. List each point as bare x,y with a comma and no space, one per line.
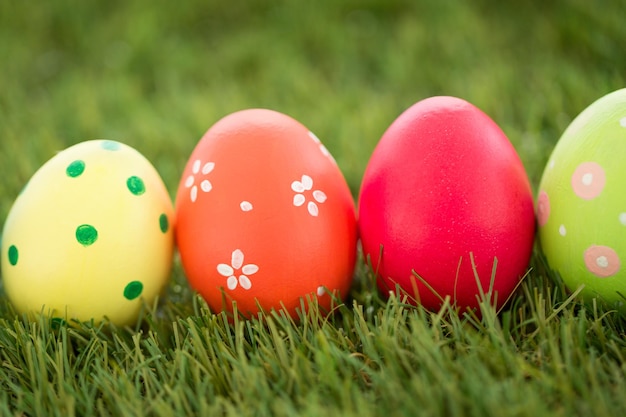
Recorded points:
89,236
264,216
581,203
445,189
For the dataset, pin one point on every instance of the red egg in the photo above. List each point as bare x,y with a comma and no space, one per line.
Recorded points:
264,216
444,195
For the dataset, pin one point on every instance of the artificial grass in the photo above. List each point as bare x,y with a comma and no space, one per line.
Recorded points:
157,75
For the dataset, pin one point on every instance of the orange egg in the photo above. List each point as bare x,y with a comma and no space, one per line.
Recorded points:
264,216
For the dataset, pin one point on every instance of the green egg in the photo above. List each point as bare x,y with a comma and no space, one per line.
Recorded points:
581,203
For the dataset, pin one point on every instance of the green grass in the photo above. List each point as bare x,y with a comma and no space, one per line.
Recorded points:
157,75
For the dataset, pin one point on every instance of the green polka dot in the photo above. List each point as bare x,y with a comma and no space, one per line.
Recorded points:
75,168
110,145
86,234
164,223
13,255
136,185
133,290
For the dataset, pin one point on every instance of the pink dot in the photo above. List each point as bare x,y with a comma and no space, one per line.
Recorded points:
543,208
602,261
588,180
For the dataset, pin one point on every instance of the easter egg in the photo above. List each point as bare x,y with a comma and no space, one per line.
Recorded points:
581,204
265,219
90,236
446,208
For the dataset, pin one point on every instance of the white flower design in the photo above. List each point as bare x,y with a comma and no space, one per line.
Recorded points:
302,186
205,185
230,271
323,148
245,206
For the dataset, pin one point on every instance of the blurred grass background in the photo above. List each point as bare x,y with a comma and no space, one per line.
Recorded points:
156,75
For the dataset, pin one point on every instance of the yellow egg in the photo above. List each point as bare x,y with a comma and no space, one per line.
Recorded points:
90,236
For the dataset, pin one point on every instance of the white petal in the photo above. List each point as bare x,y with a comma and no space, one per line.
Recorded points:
321,291
231,282
313,210
315,138
327,153
319,196
194,194
245,206
208,167
245,282
298,200
196,166
297,187
250,269
206,186
189,181
237,259
307,182
225,270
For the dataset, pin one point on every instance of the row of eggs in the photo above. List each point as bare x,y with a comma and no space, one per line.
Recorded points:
264,218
